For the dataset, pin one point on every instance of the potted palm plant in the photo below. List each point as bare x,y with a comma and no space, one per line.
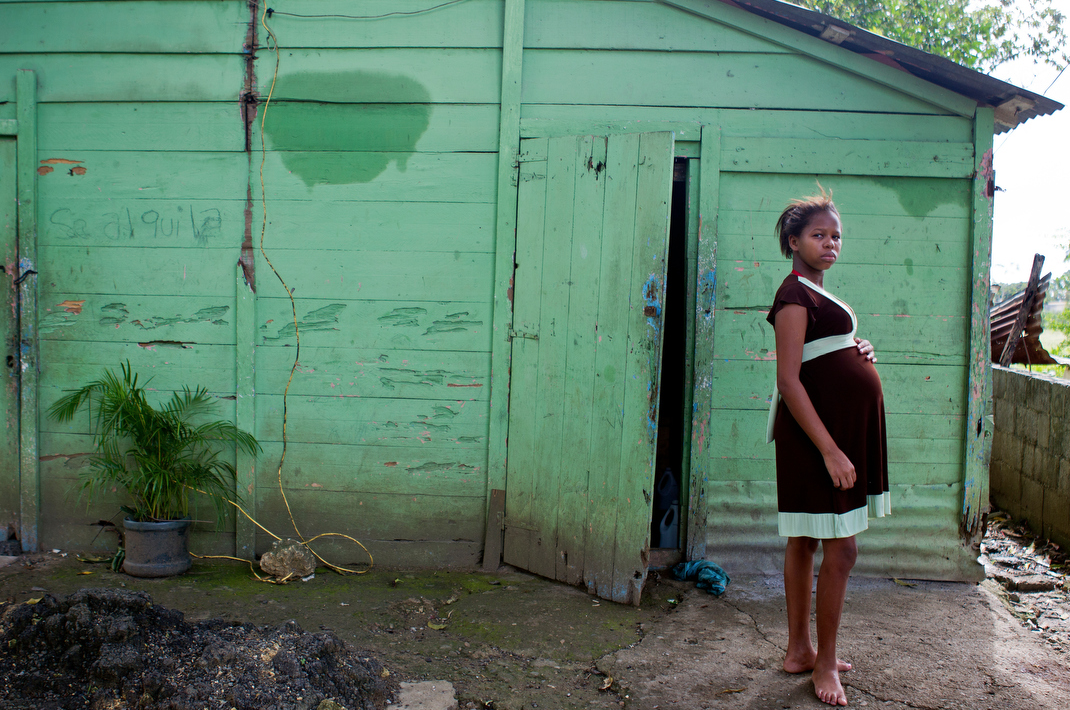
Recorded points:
159,456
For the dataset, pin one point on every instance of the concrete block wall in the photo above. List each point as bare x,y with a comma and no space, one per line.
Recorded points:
1030,472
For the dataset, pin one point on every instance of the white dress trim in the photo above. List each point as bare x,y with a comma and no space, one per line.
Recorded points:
824,526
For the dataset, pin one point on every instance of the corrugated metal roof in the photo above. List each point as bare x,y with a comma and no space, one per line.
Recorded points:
1013,104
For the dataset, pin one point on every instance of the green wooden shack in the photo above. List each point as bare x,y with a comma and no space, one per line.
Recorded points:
479,273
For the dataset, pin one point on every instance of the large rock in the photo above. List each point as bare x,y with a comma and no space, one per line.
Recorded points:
288,558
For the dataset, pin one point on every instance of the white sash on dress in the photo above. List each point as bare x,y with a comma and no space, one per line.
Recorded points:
815,349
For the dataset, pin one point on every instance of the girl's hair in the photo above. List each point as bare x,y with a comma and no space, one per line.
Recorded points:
798,214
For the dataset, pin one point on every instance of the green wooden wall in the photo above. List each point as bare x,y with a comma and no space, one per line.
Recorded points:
376,191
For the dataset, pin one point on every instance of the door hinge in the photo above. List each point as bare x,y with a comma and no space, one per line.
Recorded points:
519,334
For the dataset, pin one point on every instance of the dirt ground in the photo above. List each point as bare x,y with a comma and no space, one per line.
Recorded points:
510,640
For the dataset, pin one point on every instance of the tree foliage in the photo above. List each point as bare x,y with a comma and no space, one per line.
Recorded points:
977,34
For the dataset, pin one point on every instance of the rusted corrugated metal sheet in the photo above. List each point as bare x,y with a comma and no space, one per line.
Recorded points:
1003,315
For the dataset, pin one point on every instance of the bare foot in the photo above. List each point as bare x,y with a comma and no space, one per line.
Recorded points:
803,662
828,687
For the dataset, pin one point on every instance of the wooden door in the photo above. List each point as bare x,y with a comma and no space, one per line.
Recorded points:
9,337
592,237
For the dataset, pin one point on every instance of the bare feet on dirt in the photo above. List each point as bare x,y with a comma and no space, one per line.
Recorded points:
804,662
828,687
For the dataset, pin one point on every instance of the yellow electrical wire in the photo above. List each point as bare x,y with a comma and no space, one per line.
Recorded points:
336,568
297,334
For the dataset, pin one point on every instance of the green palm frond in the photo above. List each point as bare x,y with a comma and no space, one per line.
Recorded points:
159,456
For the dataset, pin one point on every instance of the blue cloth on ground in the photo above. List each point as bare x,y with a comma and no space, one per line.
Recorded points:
710,576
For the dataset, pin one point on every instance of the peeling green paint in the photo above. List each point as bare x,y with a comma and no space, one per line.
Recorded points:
212,314
403,316
332,113
325,318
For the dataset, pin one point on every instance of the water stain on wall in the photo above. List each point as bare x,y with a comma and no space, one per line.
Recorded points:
346,127
920,196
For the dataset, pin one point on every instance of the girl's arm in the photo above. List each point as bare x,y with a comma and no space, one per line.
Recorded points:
790,331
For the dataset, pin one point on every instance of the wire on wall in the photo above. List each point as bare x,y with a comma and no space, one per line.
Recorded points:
272,11
297,333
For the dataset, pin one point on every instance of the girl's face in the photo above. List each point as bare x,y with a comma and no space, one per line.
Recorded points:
818,244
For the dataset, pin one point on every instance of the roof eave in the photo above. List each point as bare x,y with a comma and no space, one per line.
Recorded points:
1013,105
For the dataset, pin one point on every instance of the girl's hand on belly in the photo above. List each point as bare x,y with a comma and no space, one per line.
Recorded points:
866,348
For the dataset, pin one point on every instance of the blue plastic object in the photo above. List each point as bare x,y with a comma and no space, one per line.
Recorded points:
709,576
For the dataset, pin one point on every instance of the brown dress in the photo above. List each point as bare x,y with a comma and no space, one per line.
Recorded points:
846,392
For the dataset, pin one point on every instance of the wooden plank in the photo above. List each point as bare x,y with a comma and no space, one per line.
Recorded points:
635,26
314,125
547,127
705,306
908,389
8,126
505,247
136,175
9,334
689,79
355,372
142,126
374,421
643,372
871,288
197,272
118,271
28,268
245,332
382,226
773,123
935,339
492,545
607,439
848,157
207,127
979,423
65,315
386,276
387,23
691,250
907,241
524,385
374,516
153,28
349,225
88,220
439,471
129,77
405,75
68,365
920,198
824,52
388,325
580,322
548,408
381,177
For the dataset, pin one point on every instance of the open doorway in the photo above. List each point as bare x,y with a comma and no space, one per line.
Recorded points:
665,527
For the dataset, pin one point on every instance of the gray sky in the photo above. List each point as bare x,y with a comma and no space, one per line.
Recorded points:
1032,212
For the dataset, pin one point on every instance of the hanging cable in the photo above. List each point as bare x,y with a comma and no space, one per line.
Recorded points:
297,333
272,11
